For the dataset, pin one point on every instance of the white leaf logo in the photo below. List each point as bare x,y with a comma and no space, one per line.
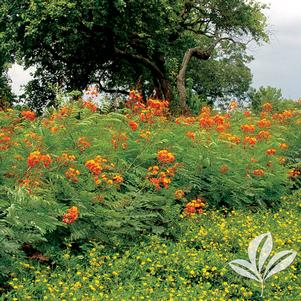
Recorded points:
253,269
282,263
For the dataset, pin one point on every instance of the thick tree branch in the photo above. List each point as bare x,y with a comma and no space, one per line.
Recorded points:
201,54
155,70
136,57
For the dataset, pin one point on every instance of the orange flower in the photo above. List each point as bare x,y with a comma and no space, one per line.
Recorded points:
145,134
29,115
267,107
233,105
294,173
179,194
133,125
247,113
194,207
164,156
118,179
83,143
283,145
264,123
271,151
263,135
65,159
71,216
248,128
190,135
206,122
224,168
72,174
258,172
250,140
94,167
36,157
90,105
281,160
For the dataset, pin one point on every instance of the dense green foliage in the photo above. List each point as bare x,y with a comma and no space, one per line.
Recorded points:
124,43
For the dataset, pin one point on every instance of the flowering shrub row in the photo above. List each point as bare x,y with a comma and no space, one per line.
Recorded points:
75,174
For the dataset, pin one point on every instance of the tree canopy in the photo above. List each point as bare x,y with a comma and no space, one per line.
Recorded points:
119,43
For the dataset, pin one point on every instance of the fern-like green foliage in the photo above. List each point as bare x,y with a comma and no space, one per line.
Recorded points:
49,167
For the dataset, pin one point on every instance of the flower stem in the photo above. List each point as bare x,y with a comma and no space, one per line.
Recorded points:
262,288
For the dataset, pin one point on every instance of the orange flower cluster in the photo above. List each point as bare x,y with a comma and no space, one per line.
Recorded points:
179,194
31,138
224,168
185,120
28,115
294,173
63,112
66,159
90,105
161,177
264,123
29,184
229,137
157,107
164,156
134,102
118,139
97,165
281,160
83,144
72,174
207,121
267,107
194,207
248,128
233,105
283,145
118,179
263,135
145,134
133,125
35,158
250,141
190,135
153,107
282,117
71,215
258,172
109,179
4,141
271,151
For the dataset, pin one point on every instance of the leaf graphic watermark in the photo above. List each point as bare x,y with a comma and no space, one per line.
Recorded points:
254,268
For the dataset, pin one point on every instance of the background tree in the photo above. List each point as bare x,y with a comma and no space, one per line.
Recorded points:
121,42
6,95
263,95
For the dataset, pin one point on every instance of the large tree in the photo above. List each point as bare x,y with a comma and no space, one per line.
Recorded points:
121,42
6,95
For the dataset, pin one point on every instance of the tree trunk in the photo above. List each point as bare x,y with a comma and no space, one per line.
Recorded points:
163,87
198,53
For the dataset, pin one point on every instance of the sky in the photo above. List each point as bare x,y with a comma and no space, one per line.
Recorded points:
277,64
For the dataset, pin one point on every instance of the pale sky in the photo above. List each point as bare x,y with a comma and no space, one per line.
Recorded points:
277,64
